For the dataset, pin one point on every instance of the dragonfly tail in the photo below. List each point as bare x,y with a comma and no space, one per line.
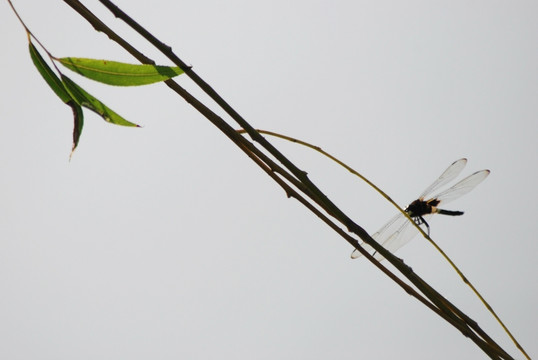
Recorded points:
449,212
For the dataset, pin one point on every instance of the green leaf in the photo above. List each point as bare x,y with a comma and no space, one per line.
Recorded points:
57,86
78,117
50,77
120,74
83,98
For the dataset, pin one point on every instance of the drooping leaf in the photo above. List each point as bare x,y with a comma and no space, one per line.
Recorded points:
86,100
120,74
57,86
78,117
50,77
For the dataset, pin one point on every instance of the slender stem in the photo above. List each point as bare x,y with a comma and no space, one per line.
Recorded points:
426,236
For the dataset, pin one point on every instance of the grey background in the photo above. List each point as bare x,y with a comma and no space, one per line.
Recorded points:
167,242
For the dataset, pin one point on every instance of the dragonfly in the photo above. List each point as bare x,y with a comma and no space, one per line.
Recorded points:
399,230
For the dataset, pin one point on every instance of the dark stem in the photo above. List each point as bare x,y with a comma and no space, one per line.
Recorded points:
298,179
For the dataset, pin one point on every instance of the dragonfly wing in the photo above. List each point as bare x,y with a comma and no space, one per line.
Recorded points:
383,234
462,187
392,236
448,175
405,233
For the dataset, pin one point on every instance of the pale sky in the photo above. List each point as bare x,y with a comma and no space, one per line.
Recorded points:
167,242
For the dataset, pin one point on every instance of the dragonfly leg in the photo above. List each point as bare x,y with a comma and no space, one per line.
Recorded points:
419,220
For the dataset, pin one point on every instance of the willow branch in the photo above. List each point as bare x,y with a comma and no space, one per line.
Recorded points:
297,177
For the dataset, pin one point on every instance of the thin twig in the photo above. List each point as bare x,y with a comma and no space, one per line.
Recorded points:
473,324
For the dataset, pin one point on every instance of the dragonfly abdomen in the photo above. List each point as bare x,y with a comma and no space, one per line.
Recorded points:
449,212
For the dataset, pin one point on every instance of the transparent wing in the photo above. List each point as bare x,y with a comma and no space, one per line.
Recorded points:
448,175
462,187
383,234
392,236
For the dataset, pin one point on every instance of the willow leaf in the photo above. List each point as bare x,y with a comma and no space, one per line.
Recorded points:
50,77
78,117
86,100
120,74
57,86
